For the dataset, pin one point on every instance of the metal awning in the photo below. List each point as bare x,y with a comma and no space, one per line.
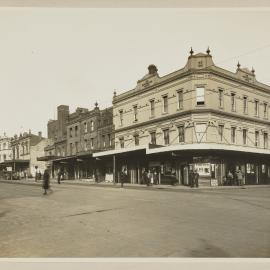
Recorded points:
208,146
119,151
46,158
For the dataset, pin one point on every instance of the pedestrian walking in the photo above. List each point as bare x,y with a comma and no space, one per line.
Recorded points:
46,181
196,178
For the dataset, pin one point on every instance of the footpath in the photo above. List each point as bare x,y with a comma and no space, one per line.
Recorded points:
90,183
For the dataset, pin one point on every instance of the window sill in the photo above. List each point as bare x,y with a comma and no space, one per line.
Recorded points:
180,109
164,113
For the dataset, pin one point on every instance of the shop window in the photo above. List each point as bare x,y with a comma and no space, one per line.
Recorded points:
76,131
85,127
263,168
200,96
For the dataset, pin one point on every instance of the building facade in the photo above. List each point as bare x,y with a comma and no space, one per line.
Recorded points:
81,134
26,148
199,117
5,154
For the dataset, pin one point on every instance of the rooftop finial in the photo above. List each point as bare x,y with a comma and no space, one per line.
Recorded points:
238,65
253,70
208,50
96,104
191,51
114,93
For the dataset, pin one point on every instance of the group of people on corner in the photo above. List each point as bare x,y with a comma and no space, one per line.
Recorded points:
150,177
236,178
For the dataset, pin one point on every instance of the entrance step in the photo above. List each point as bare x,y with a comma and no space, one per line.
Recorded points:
204,182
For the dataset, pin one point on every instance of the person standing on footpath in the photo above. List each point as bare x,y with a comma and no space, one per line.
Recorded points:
196,178
123,176
46,181
191,176
59,176
239,178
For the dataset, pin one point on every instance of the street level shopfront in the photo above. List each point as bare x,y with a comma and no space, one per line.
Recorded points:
173,164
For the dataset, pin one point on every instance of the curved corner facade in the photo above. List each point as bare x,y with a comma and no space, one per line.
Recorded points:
199,117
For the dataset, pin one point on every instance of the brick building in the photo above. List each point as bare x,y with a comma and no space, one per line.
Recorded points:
75,137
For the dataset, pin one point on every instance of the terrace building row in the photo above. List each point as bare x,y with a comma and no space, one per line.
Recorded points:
74,138
200,116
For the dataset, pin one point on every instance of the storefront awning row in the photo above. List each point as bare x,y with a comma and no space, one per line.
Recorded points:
185,147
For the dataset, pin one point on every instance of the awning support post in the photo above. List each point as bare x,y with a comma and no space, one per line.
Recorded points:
114,170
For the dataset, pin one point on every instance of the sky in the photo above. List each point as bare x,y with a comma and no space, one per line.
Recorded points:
77,56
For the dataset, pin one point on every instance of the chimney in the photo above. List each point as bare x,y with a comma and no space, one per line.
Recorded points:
39,134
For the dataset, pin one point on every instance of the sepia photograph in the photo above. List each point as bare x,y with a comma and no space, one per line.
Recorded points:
135,132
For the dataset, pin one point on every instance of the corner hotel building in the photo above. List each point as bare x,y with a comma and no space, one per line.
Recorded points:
200,116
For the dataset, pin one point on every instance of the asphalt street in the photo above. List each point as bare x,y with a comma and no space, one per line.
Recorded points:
79,221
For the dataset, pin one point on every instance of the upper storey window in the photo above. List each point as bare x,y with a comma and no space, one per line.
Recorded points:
180,99
135,110
70,132
165,104
265,110
92,125
256,107
220,98
200,99
152,107
233,103
245,104
121,117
